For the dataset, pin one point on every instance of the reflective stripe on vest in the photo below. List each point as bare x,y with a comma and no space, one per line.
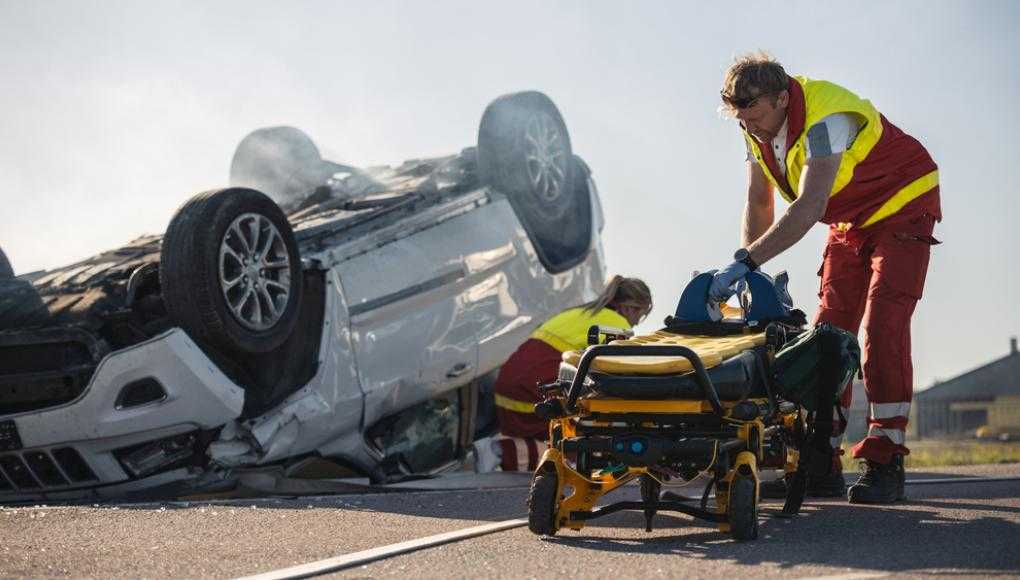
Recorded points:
514,405
912,191
821,99
568,330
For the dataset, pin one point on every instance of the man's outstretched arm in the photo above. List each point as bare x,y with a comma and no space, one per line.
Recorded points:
759,211
815,185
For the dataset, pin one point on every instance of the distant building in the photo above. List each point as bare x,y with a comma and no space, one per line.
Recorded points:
986,399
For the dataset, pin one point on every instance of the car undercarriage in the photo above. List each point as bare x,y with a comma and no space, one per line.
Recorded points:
312,310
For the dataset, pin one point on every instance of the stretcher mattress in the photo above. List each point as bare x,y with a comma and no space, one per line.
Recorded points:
712,350
735,379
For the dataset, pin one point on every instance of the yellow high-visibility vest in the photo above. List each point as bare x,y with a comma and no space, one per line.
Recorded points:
821,99
568,330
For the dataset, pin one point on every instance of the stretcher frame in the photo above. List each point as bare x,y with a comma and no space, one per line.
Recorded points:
565,487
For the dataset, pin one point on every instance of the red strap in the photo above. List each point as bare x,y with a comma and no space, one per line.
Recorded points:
795,117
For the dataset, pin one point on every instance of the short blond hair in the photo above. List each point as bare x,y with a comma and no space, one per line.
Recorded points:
750,75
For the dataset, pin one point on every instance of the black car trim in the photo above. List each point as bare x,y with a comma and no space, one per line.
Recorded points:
421,287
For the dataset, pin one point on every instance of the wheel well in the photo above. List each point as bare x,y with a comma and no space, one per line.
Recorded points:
271,377
548,468
555,256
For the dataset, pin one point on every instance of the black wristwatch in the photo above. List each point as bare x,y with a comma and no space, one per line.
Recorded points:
744,257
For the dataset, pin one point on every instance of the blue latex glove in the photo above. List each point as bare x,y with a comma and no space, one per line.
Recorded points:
723,280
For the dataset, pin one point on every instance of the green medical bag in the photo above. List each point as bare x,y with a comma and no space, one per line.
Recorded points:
804,369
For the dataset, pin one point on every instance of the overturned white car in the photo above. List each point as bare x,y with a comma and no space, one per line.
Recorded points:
311,310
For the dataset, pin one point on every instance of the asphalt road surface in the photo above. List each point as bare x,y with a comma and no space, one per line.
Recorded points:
960,529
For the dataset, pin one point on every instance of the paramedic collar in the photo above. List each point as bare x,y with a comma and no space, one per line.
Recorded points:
778,145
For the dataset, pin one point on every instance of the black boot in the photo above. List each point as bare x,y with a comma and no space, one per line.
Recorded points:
831,484
775,489
880,483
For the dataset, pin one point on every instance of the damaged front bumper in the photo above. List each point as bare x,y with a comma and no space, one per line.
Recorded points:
141,422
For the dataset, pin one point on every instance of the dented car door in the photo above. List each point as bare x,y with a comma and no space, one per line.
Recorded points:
410,324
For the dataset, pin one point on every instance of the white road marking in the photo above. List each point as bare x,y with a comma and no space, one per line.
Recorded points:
960,480
848,576
382,552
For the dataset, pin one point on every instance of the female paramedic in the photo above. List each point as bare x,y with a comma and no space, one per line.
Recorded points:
623,303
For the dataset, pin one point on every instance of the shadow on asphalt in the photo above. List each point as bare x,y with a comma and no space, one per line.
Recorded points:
824,530
900,538
965,497
480,506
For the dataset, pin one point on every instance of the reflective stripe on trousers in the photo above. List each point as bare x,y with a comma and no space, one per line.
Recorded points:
897,436
889,420
889,410
519,454
514,405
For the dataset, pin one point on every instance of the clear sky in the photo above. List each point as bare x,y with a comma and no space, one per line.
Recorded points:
113,113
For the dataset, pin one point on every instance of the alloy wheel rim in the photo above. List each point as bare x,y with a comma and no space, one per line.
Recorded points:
545,156
254,271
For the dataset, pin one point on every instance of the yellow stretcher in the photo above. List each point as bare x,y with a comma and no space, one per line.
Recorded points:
712,350
659,409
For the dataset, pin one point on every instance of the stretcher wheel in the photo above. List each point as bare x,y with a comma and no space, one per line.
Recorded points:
542,504
743,509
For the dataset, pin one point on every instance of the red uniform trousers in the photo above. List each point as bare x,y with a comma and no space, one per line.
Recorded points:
524,434
875,277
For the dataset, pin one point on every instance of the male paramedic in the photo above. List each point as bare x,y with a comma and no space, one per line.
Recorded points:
836,159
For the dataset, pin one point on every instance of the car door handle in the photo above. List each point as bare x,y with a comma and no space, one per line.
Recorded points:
460,369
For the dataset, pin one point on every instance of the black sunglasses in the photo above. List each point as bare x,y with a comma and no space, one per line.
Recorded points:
740,103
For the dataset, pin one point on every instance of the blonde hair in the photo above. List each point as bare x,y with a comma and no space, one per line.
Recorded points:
750,75
622,290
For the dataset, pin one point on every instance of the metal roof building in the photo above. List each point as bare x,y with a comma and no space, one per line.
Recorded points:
986,397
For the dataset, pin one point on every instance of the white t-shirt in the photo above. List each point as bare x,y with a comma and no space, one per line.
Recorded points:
833,134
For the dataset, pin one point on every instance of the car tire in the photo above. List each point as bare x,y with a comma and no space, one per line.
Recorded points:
20,305
231,272
524,152
743,509
542,503
6,271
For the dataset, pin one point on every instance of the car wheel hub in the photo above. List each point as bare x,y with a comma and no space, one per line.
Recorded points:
545,154
254,271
